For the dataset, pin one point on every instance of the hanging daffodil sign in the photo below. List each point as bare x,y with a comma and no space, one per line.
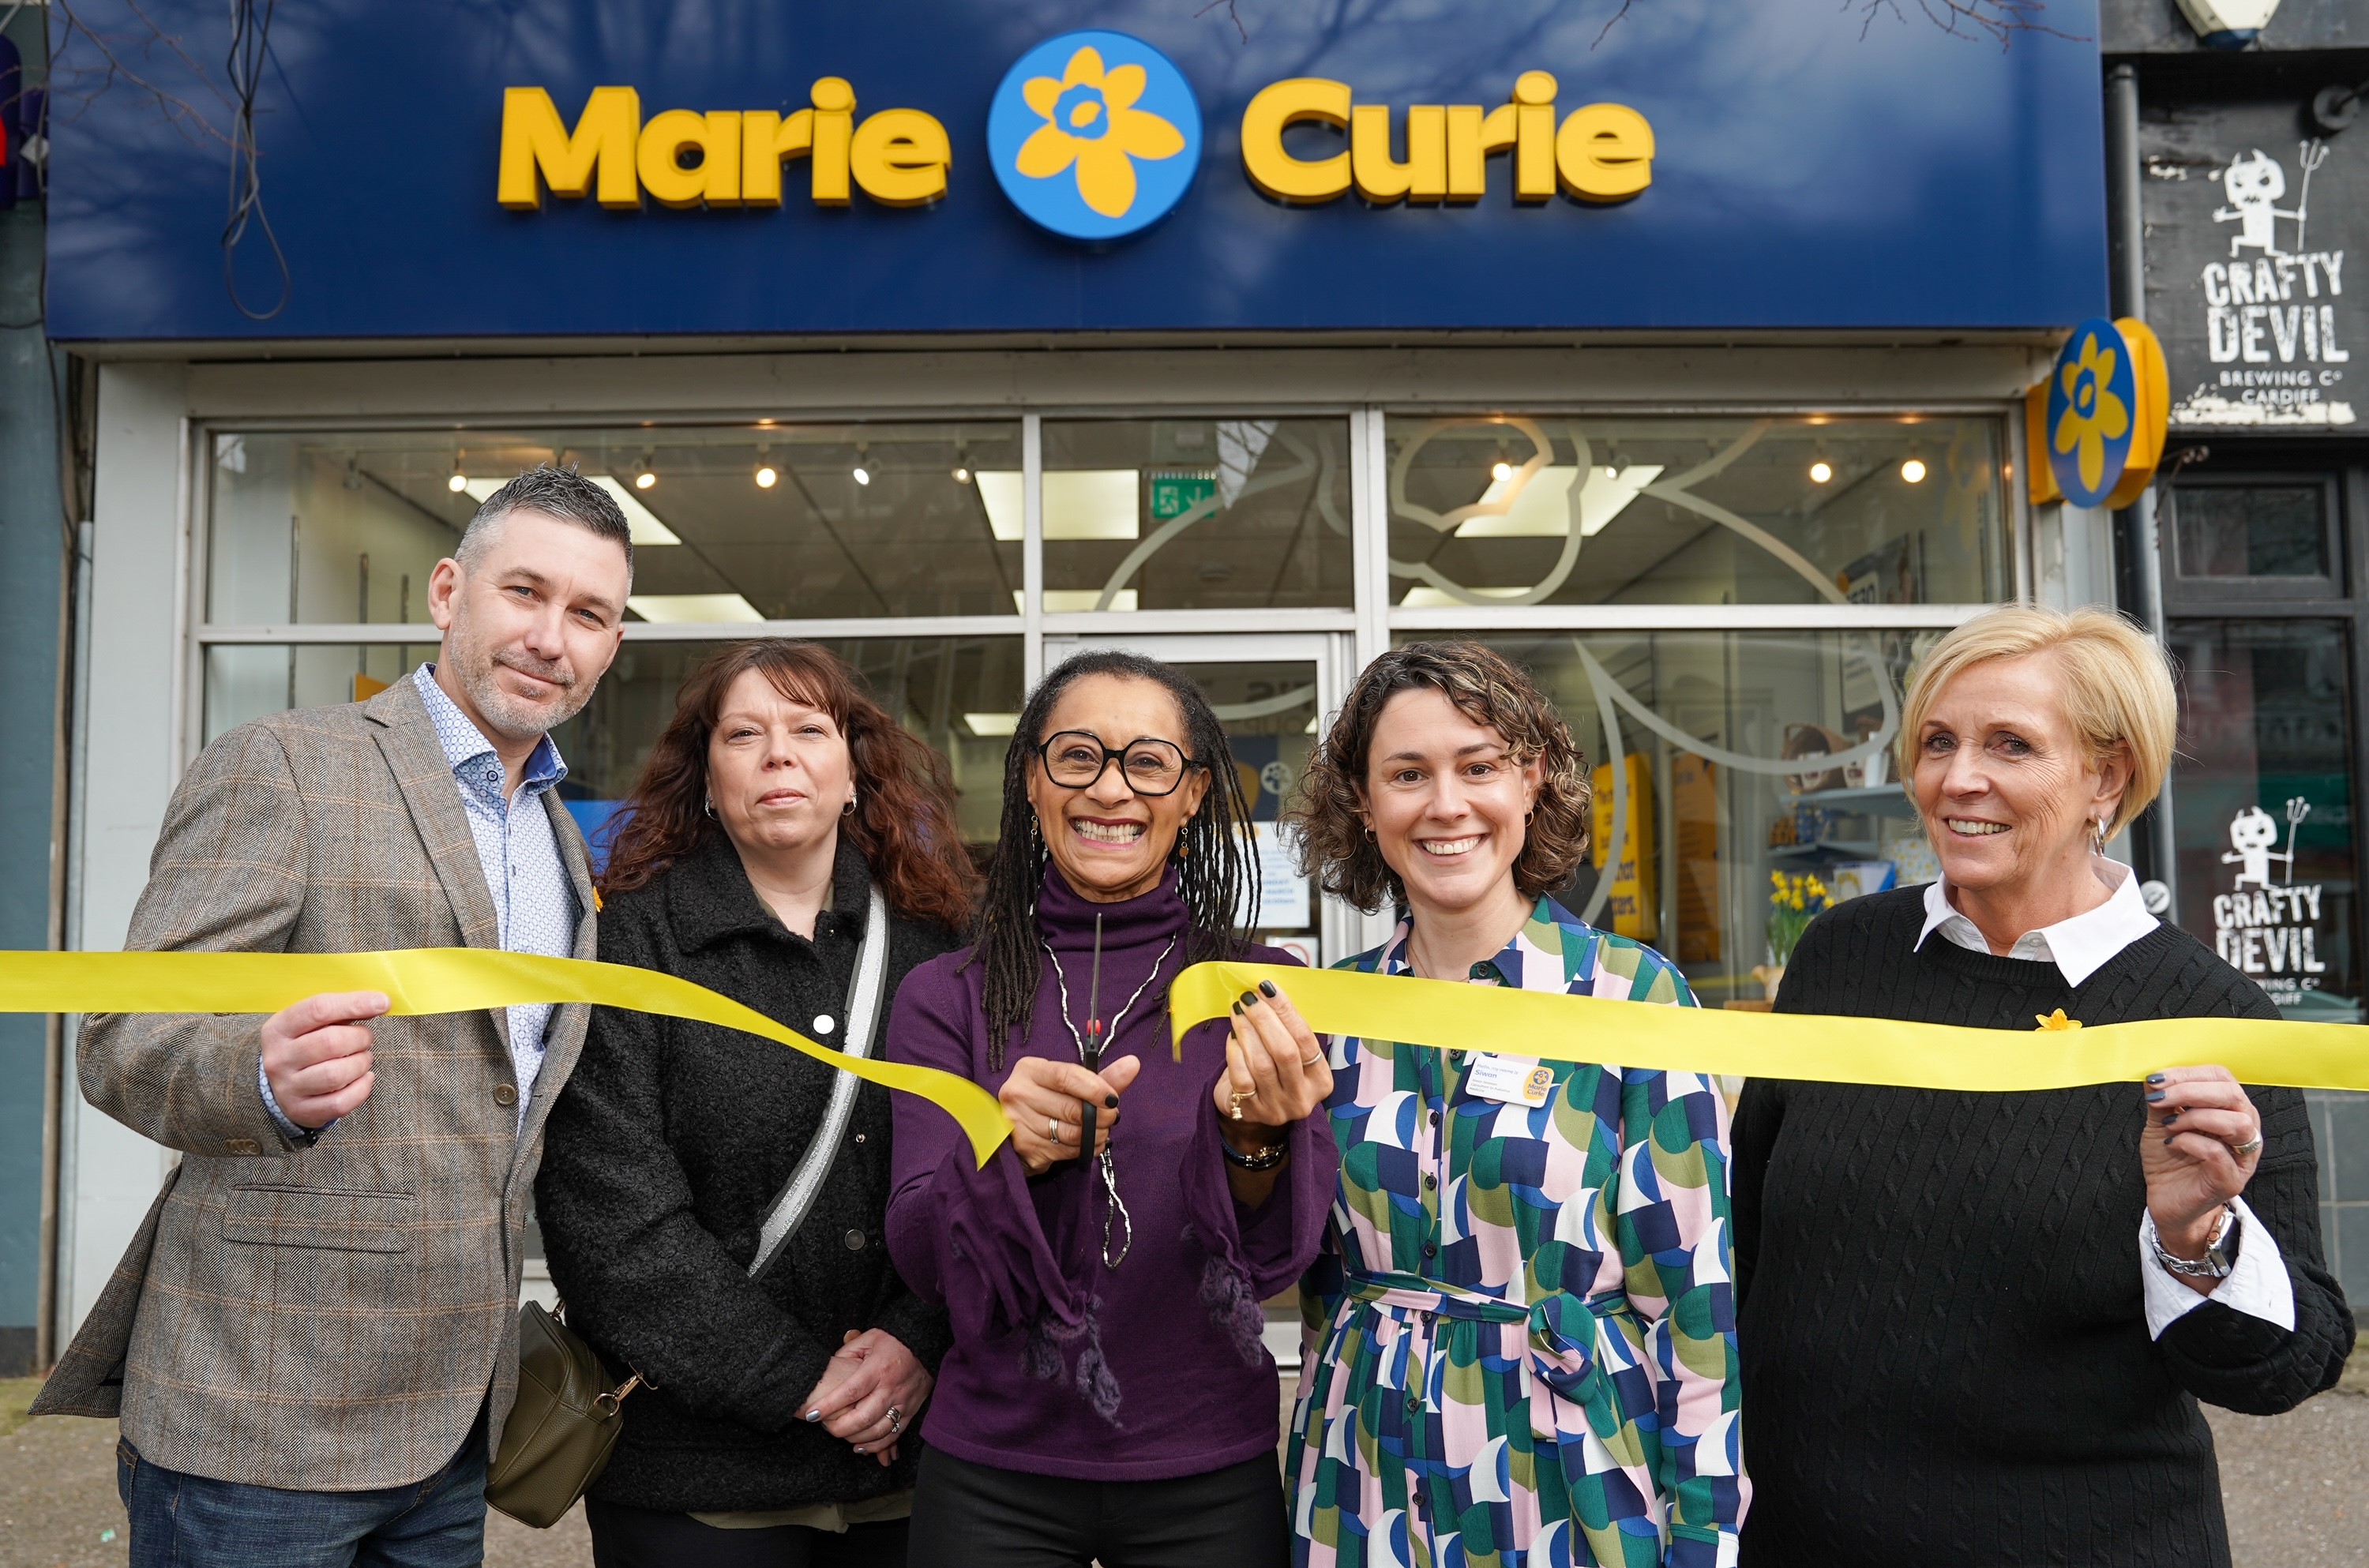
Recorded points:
2103,426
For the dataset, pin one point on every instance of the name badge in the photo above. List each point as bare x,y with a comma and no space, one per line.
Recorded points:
1510,1081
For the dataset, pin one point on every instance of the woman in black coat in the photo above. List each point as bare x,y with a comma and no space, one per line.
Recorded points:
775,1427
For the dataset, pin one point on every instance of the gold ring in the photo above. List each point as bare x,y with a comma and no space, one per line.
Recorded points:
2249,1145
1052,1129
1311,1061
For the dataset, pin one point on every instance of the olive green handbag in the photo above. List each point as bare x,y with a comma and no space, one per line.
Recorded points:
561,1426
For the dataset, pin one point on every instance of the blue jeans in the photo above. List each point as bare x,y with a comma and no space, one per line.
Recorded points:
190,1521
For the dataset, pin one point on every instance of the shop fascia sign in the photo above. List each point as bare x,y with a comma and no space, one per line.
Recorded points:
1092,134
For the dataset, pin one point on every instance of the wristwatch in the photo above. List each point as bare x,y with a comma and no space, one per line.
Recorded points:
2220,1252
1267,1159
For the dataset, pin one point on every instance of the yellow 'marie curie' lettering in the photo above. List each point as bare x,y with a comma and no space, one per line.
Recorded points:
1599,154
538,149
720,158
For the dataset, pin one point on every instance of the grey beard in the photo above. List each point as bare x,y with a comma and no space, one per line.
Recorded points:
517,720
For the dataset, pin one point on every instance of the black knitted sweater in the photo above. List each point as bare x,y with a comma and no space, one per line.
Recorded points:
1944,1344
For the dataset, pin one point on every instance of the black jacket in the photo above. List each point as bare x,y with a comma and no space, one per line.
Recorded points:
660,1160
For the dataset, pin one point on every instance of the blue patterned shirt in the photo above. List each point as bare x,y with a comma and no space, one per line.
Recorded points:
534,901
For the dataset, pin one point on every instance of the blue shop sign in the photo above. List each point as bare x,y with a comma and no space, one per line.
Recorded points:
562,168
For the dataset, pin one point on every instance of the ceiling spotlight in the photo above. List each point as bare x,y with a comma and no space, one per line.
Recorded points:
962,476
1501,471
1821,471
1611,472
458,483
766,477
1913,471
644,479
863,475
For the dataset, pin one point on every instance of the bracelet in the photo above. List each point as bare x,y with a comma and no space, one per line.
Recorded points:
2220,1252
1267,1159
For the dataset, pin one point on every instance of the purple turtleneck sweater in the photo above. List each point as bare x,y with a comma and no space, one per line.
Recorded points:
1061,1366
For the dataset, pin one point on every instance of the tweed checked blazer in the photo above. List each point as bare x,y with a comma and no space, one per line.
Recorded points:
324,1319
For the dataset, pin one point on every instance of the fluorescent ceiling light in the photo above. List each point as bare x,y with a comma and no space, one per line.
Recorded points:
991,726
1075,601
1542,508
1079,503
641,524
1423,596
669,608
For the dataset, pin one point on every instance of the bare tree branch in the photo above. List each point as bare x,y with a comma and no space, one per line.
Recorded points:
1609,24
1234,15
78,84
1996,20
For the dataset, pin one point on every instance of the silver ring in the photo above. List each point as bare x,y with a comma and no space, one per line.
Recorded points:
895,1421
1311,1061
1052,1129
2249,1145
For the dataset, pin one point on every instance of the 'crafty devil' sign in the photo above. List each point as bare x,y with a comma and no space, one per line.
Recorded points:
2268,925
2248,229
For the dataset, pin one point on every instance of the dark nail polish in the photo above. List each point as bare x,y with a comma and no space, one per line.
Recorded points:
2155,1078
1266,987
2153,1095
1110,1101
1250,999
814,1415
2172,1118
1238,1010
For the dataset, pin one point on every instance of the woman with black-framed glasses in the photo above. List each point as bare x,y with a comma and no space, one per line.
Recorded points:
1109,1398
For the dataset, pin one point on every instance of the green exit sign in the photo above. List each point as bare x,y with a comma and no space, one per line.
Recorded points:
1174,494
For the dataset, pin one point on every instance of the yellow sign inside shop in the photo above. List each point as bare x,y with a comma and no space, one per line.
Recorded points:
1427,153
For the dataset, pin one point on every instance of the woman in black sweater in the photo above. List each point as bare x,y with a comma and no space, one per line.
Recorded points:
774,1432
1974,1327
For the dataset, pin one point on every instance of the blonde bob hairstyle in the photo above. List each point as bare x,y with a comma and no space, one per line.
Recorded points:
2118,690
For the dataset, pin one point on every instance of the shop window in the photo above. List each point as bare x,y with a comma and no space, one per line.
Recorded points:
2261,806
1556,509
1191,514
2279,531
1727,779
958,693
747,523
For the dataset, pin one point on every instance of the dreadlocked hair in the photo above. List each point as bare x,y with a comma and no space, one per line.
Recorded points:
1213,853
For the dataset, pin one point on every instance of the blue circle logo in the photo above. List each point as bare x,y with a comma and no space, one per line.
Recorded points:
2092,394
1094,134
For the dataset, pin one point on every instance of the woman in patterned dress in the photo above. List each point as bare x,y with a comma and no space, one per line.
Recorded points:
1524,1330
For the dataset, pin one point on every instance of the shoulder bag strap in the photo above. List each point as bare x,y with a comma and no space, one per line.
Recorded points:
867,997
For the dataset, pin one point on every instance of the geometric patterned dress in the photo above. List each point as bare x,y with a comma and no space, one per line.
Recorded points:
1522,1347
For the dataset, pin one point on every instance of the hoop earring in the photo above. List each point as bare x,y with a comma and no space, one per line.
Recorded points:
2098,836
711,806
848,809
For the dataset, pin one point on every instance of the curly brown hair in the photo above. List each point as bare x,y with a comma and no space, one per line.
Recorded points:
1329,810
904,816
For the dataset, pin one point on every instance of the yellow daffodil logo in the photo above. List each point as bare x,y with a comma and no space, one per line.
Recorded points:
1094,134
2089,402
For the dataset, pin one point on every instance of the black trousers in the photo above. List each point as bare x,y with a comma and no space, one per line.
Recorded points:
643,1538
967,1516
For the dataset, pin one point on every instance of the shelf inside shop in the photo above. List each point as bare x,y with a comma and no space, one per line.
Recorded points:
1842,849
1882,800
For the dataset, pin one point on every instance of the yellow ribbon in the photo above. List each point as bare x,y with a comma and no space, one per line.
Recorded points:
1779,1045
441,979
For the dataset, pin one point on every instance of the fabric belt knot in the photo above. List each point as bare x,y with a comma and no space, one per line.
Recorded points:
1564,1330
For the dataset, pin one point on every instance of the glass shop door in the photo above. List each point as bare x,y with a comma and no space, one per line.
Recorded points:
1273,692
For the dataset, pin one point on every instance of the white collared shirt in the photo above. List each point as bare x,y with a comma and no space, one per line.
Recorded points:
2079,947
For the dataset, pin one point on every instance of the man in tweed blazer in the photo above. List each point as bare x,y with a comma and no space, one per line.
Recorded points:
311,1341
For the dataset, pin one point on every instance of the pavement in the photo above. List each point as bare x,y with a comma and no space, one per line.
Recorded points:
2293,1486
